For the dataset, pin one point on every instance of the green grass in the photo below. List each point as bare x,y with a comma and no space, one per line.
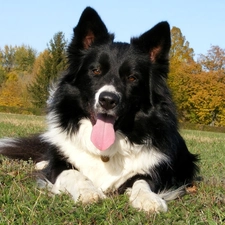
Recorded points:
19,125
22,203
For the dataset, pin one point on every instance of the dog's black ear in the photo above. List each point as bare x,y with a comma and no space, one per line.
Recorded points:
90,29
156,42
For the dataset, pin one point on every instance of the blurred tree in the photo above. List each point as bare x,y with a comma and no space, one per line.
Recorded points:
7,58
38,63
11,94
2,76
180,50
16,64
182,65
24,58
19,59
214,60
54,62
206,99
57,50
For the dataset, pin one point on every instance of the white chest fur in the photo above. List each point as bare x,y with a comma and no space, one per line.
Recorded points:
125,160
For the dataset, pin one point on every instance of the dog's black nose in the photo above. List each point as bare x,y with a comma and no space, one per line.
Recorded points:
108,100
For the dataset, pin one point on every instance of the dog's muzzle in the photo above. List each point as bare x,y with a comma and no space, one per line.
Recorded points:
108,100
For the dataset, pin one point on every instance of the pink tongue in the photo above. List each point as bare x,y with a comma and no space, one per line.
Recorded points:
103,134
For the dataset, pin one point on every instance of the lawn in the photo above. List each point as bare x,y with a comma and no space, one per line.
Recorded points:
22,203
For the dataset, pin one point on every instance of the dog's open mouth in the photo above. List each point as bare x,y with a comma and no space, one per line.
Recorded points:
103,133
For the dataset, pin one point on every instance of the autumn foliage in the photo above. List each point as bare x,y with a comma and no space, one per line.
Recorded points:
197,84
198,88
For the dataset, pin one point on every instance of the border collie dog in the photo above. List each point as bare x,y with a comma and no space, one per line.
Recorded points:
112,124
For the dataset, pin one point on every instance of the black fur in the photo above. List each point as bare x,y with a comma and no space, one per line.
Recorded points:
145,112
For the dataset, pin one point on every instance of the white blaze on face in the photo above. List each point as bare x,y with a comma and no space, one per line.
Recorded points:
107,88
103,133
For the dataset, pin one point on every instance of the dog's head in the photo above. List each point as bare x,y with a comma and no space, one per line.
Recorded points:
111,83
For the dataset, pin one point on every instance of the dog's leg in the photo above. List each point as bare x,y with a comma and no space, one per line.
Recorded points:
141,197
78,186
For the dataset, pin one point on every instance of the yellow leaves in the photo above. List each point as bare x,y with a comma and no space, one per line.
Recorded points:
207,102
199,97
14,94
192,189
199,94
39,62
10,95
11,76
214,60
180,50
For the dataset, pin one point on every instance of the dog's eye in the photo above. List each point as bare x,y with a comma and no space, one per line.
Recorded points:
131,78
96,71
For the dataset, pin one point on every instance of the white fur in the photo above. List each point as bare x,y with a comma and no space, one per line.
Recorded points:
126,160
81,188
108,88
8,142
41,165
51,93
141,197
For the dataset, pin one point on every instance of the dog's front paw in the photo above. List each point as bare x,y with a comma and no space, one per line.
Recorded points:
149,202
90,195
77,185
142,198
